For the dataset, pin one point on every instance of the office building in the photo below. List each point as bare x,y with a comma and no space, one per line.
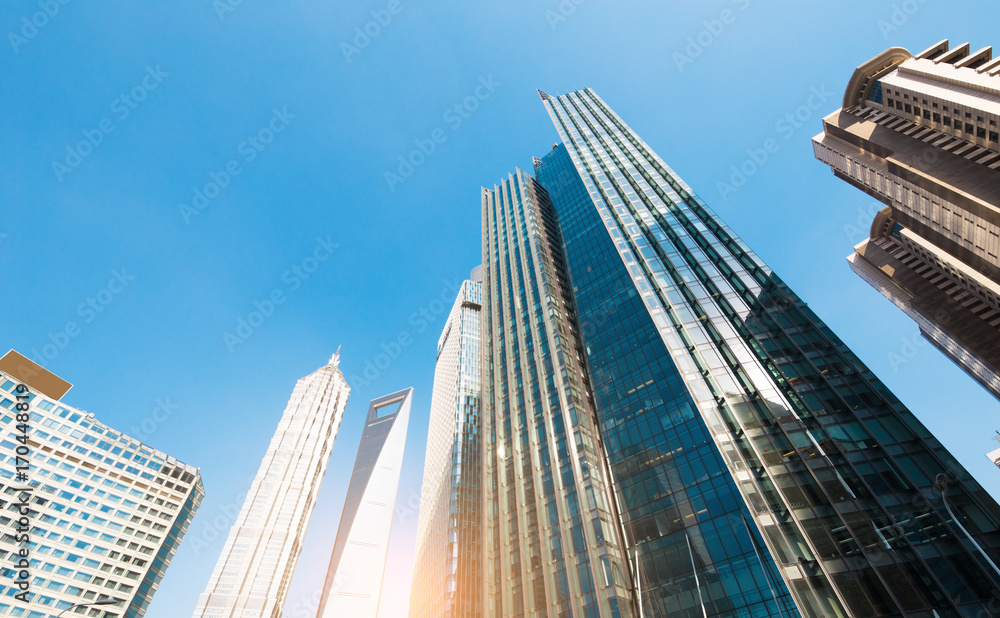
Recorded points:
920,134
447,574
107,512
254,571
353,585
553,545
696,441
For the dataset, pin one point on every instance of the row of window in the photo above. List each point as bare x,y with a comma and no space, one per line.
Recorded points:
934,105
968,127
127,448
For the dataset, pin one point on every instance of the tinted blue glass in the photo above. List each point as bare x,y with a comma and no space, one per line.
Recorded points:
681,508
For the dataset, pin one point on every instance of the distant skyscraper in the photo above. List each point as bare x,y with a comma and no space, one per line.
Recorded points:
252,576
920,134
447,576
354,580
107,512
634,345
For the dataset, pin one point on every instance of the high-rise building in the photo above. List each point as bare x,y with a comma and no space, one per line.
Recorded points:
447,576
105,513
635,346
552,542
254,571
920,134
353,584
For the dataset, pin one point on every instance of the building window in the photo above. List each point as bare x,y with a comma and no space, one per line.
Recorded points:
969,128
993,136
981,132
927,114
947,121
909,110
937,117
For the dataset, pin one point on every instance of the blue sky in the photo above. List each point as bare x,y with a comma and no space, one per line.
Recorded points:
177,97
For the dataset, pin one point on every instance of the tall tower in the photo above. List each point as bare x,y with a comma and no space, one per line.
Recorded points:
553,545
106,513
920,134
353,584
252,576
757,466
447,575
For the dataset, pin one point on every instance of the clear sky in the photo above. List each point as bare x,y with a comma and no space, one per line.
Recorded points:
265,99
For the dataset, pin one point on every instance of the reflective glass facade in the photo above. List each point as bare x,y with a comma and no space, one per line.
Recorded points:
353,584
447,573
684,517
107,511
746,441
552,540
254,571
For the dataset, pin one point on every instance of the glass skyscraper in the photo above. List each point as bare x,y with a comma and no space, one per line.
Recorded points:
553,546
671,431
447,574
107,512
254,571
353,585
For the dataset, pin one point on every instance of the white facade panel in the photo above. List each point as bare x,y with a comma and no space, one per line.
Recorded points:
253,574
354,580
